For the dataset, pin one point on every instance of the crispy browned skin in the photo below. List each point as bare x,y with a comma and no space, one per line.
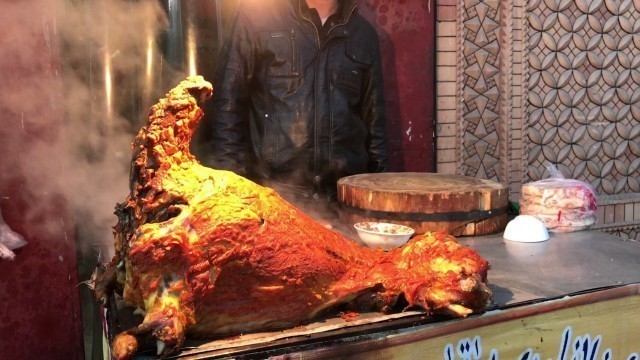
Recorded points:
210,253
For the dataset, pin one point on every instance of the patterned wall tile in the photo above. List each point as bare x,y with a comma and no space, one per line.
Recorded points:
480,124
551,81
584,60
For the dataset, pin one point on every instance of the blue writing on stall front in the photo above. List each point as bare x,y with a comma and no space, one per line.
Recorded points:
578,348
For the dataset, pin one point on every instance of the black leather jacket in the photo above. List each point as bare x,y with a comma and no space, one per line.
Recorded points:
310,112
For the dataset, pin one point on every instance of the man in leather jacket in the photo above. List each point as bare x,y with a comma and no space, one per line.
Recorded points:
298,99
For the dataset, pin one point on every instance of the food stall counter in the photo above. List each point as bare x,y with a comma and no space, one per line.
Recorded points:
576,294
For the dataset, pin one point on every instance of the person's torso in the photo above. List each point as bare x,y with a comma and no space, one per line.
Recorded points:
306,94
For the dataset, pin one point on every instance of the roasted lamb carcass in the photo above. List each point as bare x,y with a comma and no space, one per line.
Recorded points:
211,254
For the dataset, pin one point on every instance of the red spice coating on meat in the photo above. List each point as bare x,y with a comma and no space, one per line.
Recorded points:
209,253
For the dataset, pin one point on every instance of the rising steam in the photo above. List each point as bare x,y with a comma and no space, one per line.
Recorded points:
76,84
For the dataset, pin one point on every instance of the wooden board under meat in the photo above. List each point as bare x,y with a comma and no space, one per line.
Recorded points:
460,205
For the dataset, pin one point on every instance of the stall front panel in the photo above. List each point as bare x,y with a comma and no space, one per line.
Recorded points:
600,325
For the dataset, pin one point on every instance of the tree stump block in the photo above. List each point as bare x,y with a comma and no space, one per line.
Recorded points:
456,204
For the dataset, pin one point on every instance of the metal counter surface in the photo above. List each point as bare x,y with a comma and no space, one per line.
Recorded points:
521,273
567,263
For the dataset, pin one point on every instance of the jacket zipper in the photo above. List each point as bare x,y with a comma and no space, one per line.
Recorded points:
294,55
315,92
331,89
315,97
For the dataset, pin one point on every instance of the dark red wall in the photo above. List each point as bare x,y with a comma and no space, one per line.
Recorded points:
39,306
407,39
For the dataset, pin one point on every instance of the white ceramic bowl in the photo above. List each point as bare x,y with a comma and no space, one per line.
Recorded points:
526,251
383,235
526,228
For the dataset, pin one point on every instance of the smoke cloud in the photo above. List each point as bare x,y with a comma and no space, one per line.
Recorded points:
76,83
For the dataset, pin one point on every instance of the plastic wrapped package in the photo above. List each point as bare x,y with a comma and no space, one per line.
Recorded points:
562,204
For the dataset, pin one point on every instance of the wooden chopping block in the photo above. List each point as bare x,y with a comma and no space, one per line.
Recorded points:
459,205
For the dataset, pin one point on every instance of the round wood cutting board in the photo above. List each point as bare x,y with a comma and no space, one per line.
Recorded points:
459,205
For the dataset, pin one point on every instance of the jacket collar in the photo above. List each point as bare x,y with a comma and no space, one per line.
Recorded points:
348,8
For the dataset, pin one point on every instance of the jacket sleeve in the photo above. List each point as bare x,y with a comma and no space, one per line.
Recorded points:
373,113
231,94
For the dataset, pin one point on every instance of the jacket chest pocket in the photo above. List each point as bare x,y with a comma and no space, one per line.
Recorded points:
351,73
280,53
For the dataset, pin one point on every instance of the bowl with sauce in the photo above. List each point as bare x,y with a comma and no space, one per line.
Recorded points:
383,235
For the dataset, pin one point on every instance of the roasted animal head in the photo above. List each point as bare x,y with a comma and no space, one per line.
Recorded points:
209,253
